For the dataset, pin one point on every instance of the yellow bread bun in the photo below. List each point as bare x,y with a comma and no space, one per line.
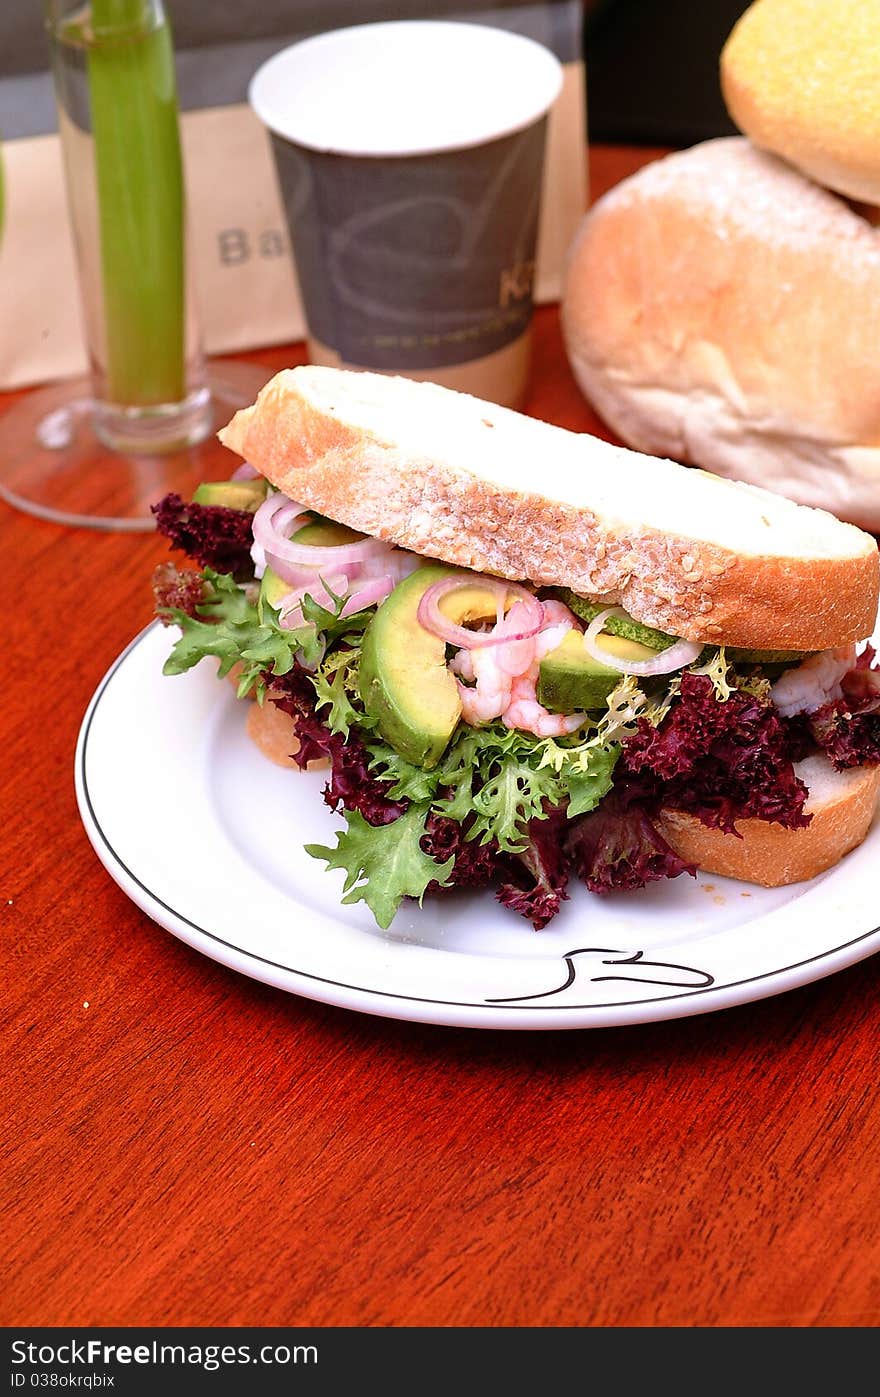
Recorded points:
802,79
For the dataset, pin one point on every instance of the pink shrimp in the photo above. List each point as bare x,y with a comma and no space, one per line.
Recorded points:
558,621
505,678
490,695
462,665
814,682
525,712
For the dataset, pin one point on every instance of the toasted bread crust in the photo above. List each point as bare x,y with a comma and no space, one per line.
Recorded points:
771,856
685,586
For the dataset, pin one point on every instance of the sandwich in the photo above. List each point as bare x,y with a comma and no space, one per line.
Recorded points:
527,657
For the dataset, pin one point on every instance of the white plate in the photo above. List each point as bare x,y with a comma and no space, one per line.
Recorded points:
206,835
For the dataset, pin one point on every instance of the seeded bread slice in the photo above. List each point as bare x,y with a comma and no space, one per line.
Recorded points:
480,486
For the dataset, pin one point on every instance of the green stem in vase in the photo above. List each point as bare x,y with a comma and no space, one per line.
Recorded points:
133,96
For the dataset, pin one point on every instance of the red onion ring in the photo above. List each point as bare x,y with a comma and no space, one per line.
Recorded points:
674,657
290,612
431,617
298,573
399,563
326,592
245,472
277,514
371,591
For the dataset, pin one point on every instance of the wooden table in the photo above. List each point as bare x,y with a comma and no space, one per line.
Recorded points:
184,1145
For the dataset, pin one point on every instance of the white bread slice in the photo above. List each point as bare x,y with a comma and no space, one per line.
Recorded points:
721,309
842,804
483,487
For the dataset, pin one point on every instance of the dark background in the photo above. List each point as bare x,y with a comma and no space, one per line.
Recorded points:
652,69
652,65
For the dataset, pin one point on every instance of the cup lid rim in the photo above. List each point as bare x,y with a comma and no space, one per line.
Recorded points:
351,134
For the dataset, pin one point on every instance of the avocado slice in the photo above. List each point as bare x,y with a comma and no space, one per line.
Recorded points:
404,683
766,657
632,629
323,533
625,626
571,681
232,494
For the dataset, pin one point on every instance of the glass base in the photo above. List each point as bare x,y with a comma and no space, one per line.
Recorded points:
54,463
155,430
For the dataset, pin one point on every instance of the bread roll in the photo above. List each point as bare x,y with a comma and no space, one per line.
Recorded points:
482,487
721,309
802,80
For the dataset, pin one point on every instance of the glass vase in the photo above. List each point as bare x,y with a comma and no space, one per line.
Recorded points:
101,451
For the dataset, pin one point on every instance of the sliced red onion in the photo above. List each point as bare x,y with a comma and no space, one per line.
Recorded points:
432,618
258,554
286,517
398,562
674,657
371,591
322,590
298,573
326,591
277,517
245,472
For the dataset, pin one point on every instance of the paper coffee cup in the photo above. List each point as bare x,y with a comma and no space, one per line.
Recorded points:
410,159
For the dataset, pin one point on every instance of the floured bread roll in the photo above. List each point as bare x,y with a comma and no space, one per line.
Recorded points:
722,309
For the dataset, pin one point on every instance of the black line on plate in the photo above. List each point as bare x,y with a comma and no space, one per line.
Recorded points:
387,994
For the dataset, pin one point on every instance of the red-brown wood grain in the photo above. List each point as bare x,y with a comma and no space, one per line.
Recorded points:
197,1148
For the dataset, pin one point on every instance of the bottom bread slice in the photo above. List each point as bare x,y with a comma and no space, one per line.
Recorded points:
271,729
842,804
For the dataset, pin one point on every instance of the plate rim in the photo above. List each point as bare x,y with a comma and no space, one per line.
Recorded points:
420,1008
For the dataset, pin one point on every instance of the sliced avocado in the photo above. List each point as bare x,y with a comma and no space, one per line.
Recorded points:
570,680
404,682
232,494
766,657
322,533
272,589
469,605
625,626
